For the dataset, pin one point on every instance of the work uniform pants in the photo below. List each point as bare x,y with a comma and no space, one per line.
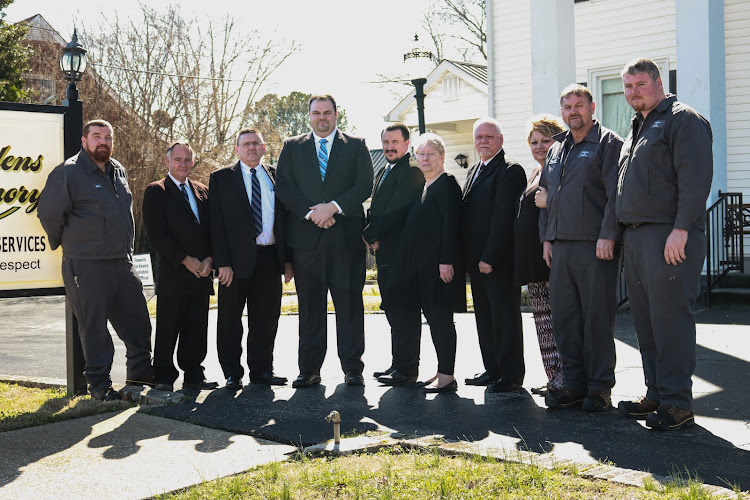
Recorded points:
583,292
102,290
661,296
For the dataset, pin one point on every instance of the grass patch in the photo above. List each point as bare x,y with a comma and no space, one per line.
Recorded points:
398,474
22,407
370,298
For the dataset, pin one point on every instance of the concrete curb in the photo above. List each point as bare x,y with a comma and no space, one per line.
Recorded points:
602,471
35,382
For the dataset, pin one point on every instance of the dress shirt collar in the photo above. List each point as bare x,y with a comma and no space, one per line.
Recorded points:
247,169
490,160
177,183
329,138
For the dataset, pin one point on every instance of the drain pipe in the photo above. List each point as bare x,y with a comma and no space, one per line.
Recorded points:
336,419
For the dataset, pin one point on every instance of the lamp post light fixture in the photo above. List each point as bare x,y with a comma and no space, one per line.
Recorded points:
424,58
461,159
73,64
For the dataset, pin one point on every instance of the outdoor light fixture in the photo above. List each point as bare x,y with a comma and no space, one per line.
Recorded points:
421,65
73,60
461,160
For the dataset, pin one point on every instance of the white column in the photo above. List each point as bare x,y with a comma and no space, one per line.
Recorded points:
701,81
553,60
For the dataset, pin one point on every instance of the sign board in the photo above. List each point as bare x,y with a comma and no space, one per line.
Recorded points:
31,146
142,265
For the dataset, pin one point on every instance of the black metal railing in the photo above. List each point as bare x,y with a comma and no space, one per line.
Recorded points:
724,233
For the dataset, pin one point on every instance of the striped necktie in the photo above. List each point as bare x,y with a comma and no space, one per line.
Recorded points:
323,158
256,202
184,192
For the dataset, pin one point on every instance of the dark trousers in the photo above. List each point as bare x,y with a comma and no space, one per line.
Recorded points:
342,272
583,292
262,294
497,310
661,296
439,317
405,320
182,316
109,290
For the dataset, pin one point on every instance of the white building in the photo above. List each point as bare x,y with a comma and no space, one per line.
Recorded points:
455,97
537,47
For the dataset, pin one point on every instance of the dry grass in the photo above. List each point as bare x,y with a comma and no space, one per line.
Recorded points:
28,407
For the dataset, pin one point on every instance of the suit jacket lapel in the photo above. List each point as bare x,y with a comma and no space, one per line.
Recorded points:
333,152
470,178
175,194
238,181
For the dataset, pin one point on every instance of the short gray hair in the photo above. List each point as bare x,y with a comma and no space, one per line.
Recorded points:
489,120
429,138
178,143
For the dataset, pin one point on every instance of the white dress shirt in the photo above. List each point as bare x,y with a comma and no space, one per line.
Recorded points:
267,198
191,196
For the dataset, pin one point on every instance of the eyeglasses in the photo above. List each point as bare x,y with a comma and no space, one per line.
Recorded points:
253,144
427,154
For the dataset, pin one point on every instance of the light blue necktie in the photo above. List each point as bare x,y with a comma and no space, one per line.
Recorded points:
187,199
323,158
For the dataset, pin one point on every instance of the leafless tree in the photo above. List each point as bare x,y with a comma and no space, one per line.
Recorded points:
179,77
457,27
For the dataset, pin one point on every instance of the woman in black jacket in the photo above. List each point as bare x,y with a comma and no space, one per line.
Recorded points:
530,268
431,238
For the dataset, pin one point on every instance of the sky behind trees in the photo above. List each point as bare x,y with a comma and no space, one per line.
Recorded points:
344,45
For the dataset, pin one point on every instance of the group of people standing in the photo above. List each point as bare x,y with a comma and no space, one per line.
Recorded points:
560,232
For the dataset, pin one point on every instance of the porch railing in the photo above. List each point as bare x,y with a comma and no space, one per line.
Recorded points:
726,221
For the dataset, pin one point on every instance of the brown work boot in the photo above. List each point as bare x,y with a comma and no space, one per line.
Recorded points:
638,409
564,398
668,418
597,401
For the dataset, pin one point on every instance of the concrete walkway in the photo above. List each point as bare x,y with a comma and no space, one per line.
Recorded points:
717,449
122,455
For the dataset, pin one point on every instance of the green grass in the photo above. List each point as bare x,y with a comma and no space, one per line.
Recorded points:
399,474
22,407
370,298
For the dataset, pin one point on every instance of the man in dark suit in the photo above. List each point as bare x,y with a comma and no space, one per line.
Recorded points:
249,253
175,212
395,189
489,195
324,176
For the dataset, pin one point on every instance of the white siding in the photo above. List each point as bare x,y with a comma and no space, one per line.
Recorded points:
513,104
737,53
611,32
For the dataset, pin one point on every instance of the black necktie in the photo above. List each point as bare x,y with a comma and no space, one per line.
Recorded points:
184,192
256,204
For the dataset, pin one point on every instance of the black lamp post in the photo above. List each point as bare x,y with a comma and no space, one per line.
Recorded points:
73,64
420,54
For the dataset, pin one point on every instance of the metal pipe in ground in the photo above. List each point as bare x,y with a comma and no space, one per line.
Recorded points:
335,418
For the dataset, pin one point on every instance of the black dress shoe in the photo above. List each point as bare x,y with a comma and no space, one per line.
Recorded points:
396,379
354,378
267,378
480,379
203,385
108,394
234,383
450,387
306,380
385,372
504,385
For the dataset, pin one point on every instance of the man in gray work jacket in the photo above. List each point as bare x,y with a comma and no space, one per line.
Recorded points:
86,206
581,245
666,167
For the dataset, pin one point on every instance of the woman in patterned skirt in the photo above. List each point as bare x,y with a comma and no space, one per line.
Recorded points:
530,267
